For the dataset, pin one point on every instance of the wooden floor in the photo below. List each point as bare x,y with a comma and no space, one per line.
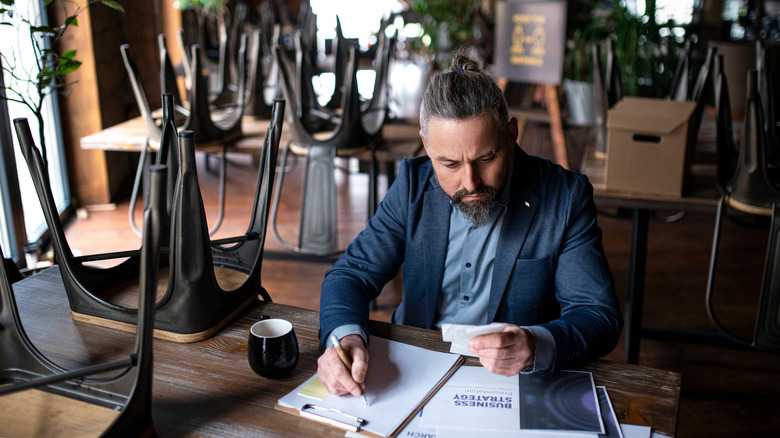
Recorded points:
726,392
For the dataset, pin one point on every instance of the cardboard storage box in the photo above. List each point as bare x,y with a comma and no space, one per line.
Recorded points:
649,146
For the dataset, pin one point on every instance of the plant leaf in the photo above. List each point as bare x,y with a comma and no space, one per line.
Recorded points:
7,2
68,66
73,20
113,5
70,54
43,29
44,81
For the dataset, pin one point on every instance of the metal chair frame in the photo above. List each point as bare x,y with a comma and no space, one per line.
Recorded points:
751,191
129,386
356,130
194,306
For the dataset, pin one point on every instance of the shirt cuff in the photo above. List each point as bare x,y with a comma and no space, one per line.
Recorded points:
346,330
544,350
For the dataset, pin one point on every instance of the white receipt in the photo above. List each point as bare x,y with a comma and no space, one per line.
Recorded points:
460,335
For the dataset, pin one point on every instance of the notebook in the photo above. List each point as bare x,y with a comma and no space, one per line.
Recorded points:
400,379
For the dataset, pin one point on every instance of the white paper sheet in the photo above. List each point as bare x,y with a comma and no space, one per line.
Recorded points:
461,334
635,431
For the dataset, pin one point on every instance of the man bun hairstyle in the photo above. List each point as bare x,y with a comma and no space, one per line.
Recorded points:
465,91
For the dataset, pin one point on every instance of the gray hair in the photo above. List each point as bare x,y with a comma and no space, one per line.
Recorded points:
463,92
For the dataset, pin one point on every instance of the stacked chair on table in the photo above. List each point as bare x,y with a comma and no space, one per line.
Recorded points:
750,187
195,304
262,76
321,135
168,79
263,73
124,385
154,125
702,88
601,84
210,129
213,133
340,56
682,75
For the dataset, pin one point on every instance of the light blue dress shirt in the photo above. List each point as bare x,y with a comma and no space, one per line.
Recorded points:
468,268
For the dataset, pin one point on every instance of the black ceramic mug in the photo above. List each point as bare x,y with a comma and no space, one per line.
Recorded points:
272,348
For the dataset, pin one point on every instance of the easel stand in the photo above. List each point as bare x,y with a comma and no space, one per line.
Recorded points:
549,112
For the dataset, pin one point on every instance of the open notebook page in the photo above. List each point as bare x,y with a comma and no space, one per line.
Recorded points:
400,378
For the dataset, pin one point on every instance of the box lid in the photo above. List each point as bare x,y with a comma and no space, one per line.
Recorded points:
644,114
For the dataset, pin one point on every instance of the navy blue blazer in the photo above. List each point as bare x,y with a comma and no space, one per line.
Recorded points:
549,270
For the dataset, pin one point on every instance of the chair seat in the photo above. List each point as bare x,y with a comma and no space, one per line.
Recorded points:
748,208
299,149
41,413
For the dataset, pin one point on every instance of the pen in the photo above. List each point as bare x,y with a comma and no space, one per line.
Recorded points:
347,362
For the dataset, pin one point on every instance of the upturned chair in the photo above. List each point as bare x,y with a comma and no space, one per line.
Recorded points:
208,284
766,89
153,127
702,88
214,133
167,153
612,76
263,73
752,191
127,389
207,128
355,132
727,152
261,79
600,99
340,50
168,81
682,74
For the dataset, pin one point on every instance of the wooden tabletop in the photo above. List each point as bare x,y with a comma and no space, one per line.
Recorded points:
400,139
131,136
207,388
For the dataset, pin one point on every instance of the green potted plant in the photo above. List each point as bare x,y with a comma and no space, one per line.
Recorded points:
578,63
29,85
449,24
647,60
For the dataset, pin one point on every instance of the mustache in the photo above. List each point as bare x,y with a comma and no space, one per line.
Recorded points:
481,190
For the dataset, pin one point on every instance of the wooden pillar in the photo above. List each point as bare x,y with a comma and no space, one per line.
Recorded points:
101,95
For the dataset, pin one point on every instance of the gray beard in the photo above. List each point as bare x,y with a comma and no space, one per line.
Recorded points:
476,212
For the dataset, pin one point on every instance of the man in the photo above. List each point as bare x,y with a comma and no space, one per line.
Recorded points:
485,233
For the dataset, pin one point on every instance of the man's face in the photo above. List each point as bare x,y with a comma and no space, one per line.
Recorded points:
471,157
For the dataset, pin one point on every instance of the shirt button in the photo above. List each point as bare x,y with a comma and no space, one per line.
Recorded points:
468,264
465,297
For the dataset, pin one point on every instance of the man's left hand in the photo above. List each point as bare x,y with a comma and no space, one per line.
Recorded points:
506,352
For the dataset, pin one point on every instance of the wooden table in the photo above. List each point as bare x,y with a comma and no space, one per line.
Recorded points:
131,136
701,196
400,139
207,388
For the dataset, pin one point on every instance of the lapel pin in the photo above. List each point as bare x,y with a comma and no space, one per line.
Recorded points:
527,204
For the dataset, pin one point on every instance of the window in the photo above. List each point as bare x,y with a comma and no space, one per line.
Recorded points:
14,45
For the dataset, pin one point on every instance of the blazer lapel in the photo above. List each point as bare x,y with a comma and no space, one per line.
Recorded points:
435,224
521,209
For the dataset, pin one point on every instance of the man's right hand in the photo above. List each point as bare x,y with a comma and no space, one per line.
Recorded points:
334,373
